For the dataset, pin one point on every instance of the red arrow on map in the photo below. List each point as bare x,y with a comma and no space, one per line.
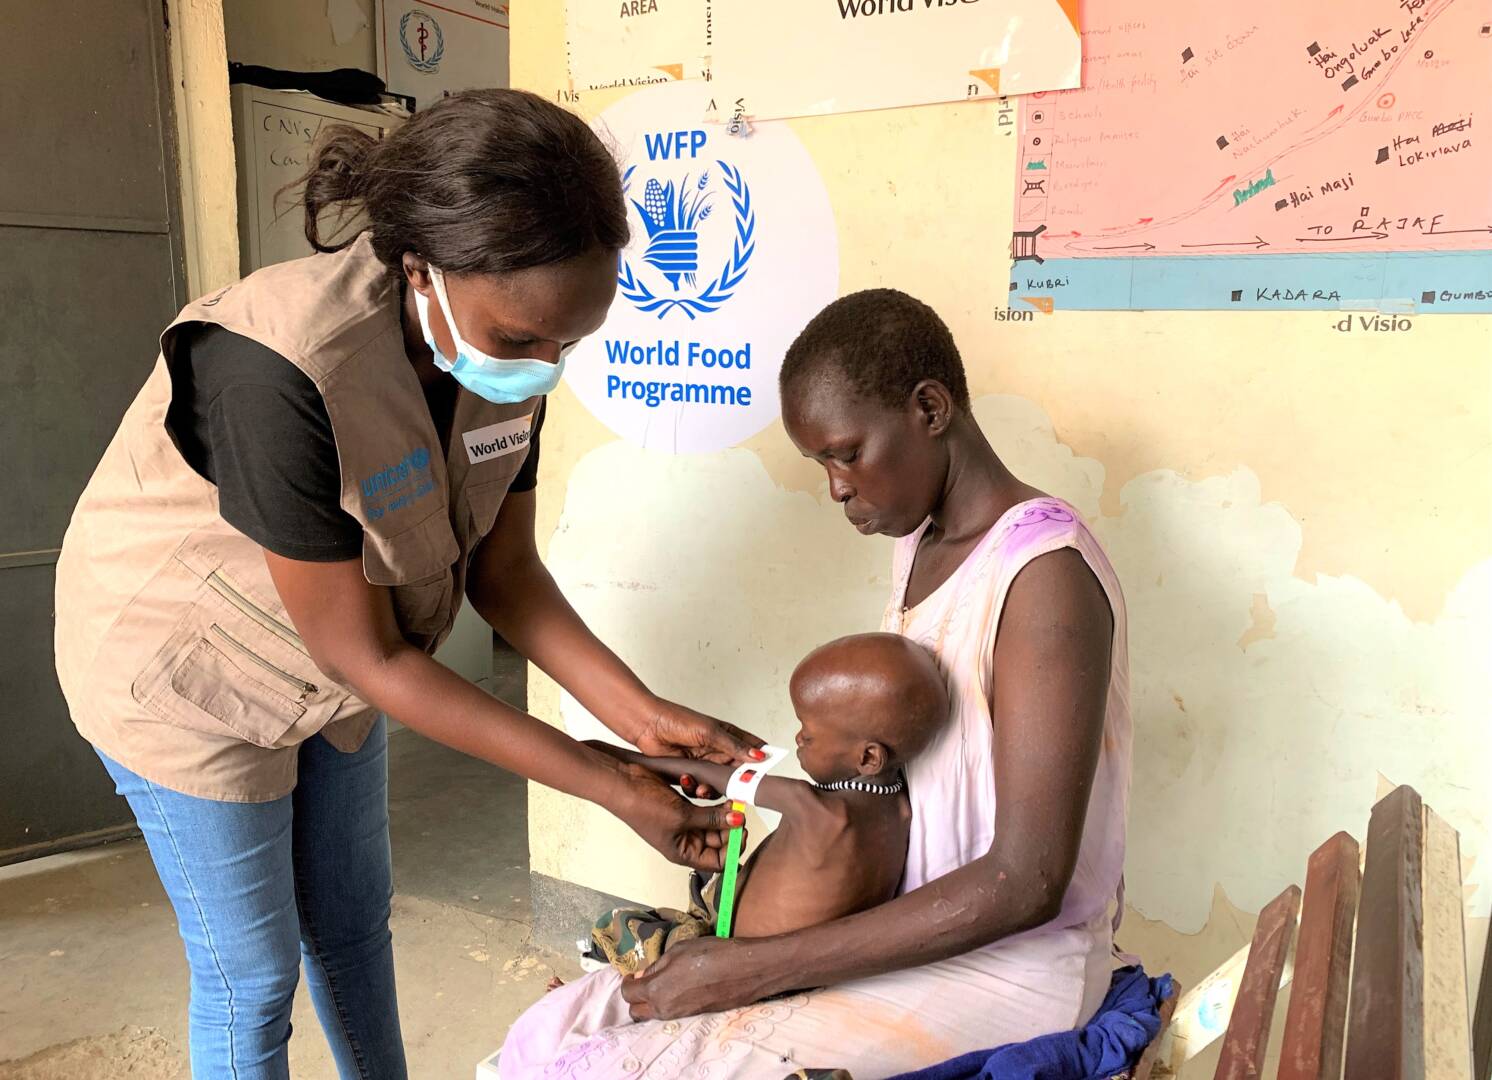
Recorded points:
1225,182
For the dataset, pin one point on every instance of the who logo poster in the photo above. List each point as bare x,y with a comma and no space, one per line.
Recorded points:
430,50
733,250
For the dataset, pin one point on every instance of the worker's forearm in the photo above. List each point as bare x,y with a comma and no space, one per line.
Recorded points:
436,702
527,608
971,907
778,793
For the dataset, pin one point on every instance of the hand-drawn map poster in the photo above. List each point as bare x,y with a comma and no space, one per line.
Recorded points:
1330,154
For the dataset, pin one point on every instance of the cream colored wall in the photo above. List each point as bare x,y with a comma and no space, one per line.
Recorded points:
301,35
1301,518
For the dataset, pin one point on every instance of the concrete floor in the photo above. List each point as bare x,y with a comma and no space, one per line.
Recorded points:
93,983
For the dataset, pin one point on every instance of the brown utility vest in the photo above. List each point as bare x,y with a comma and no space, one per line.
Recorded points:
176,656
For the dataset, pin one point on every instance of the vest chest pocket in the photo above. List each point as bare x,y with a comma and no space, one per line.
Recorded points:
486,501
422,607
416,566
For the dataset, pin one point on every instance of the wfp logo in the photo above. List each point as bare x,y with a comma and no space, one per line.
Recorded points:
675,210
424,43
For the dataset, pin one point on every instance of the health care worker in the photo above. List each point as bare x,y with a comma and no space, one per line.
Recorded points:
326,457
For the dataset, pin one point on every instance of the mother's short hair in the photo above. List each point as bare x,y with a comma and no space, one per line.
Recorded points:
882,342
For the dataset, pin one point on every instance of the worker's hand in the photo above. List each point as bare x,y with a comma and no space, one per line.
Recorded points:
676,731
693,836
704,975
682,779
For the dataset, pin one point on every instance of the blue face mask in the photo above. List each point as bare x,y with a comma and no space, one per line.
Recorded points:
500,381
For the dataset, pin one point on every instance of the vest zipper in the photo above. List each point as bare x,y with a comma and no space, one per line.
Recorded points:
300,684
219,584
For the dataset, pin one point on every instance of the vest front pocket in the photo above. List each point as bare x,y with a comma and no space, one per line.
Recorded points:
223,672
209,679
219,685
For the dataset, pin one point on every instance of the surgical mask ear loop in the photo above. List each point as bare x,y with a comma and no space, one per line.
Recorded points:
458,343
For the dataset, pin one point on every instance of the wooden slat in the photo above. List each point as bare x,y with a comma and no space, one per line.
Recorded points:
1447,1012
1481,1027
1317,1019
1146,1065
1385,1030
1247,1040
1202,1012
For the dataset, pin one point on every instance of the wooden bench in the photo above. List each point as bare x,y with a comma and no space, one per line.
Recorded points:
1377,976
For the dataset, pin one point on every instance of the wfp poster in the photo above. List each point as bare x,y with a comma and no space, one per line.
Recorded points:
733,250
785,58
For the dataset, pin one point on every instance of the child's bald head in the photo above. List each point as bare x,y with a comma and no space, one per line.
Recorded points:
867,703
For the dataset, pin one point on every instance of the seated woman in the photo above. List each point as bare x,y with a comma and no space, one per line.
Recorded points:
1016,847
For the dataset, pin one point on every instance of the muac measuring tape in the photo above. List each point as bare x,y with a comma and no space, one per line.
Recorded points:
741,791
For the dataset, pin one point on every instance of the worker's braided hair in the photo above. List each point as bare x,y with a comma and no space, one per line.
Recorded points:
484,181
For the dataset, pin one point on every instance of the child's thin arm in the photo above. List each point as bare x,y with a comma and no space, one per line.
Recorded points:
779,793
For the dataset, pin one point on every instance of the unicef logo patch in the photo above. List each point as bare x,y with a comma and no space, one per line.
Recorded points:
674,212
424,42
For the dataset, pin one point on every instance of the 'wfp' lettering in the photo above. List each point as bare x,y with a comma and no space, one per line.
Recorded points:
673,144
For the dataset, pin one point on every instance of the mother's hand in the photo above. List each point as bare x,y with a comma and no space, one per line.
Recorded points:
699,976
676,731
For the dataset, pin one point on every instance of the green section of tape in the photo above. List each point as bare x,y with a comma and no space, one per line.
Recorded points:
728,879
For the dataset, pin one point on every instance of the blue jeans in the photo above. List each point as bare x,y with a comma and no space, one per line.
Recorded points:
257,887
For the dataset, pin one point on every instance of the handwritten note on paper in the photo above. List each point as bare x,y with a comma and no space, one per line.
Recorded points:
1342,128
281,139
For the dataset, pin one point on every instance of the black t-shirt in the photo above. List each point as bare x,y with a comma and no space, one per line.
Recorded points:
252,423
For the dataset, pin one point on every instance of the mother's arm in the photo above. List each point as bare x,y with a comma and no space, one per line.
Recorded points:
1051,682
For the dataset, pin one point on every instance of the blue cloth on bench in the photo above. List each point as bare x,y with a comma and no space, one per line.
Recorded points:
1110,1044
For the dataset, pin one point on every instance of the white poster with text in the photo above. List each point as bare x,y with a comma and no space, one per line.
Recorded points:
806,57
636,42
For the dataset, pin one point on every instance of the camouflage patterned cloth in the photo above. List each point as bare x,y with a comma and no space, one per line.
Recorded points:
631,939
